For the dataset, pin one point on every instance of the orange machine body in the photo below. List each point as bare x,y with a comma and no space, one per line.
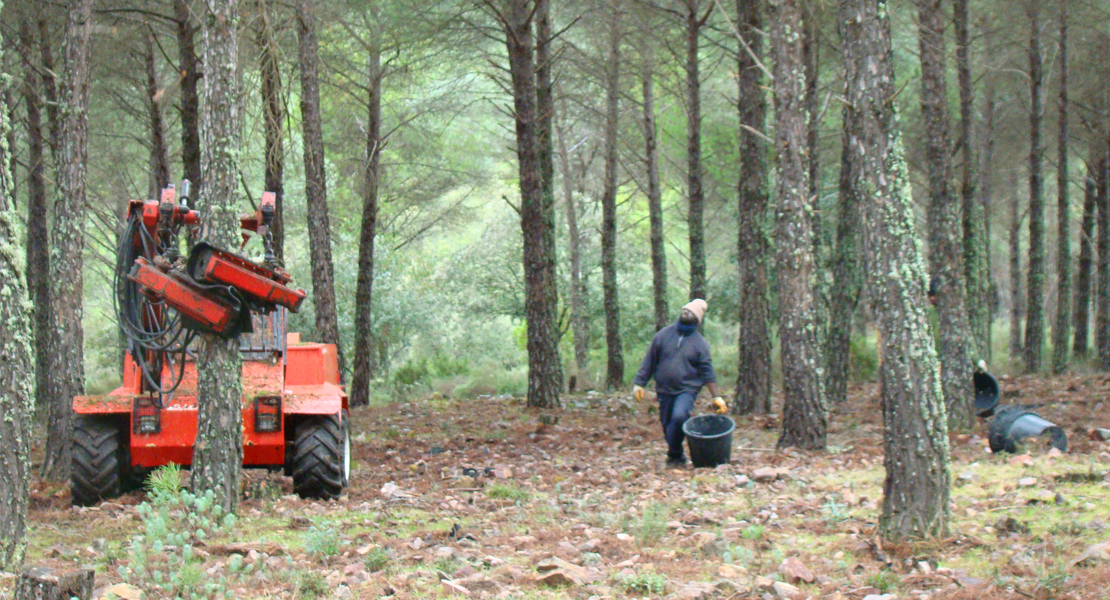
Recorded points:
292,380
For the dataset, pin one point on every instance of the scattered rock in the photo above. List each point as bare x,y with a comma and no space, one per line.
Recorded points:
445,552
559,578
123,591
624,537
794,571
1021,460
454,588
695,591
1095,553
1100,434
342,592
786,591
417,543
1011,525
1027,481
519,541
880,597
766,474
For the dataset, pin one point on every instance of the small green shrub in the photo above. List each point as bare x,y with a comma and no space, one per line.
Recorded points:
653,524
738,555
834,511
321,541
645,583
884,581
753,532
311,584
509,491
377,559
162,559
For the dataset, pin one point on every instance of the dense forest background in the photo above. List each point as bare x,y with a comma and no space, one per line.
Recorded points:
448,294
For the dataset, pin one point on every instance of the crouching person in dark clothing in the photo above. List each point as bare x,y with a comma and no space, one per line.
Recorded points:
680,362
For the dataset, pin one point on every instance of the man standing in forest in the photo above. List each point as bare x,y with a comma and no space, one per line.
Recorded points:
680,362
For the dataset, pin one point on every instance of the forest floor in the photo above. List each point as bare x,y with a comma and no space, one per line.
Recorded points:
489,499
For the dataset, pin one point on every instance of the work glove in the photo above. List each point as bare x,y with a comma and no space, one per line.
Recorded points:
722,407
638,393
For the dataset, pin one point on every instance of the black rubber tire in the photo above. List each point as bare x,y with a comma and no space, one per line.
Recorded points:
319,456
99,459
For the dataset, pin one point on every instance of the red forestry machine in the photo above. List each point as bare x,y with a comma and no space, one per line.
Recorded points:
294,409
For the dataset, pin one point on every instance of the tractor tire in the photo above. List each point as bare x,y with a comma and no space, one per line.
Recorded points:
321,456
99,459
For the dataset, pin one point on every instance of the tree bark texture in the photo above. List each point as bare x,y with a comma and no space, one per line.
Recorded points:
847,274
804,422
545,138
1102,286
536,222
315,182
1017,296
753,246
49,85
159,162
986,200
66,347
1034,318
1060,332
916,488
38,235
976,268
273,121
16,363
41,583
190,69
614,372
579,322
695,216
946,241
363,351
811,57
218,454
654,193
1084,268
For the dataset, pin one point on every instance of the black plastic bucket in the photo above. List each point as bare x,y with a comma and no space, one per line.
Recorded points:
710,439
1014,423
986,393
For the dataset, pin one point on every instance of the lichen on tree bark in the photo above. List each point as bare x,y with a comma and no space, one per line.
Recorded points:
218,455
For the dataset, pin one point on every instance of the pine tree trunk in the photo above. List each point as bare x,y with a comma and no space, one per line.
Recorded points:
614,374
1060,332
38,236
753,248
976,269
363,363
986,200
578,319
946,264
545,147
811,60
190,70
654,193
847,275
1034,318
159,162
1081,340
1102,285
66,343
1017,296
315,182
695,219
16,358
536,222
219,448
273,121
804,422
49,86
916,490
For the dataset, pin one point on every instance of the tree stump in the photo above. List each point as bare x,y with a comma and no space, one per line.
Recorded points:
41,583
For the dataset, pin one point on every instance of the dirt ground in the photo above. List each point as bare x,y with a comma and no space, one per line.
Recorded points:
489,499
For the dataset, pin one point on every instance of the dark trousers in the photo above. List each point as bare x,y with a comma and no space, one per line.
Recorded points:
673,412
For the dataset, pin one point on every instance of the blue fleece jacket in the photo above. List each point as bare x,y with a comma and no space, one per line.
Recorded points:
678,363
